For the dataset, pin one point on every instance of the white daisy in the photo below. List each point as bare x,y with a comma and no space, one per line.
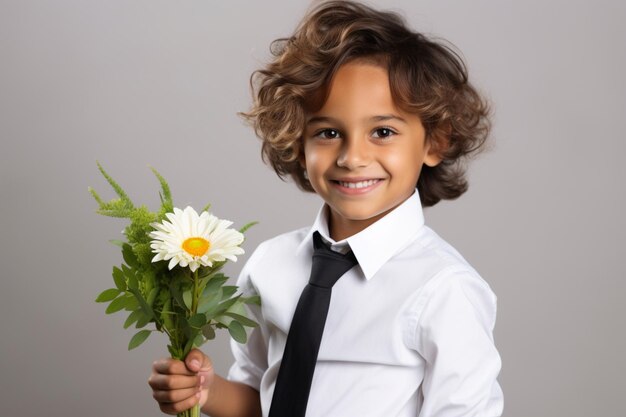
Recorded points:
193,240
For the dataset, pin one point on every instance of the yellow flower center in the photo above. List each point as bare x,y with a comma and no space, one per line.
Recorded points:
196,246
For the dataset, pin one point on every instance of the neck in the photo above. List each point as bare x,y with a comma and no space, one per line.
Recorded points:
341,228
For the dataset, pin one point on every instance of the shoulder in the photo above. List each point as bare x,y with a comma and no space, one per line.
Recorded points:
456,270
282,246
457,284
429,255
455,300
432,245
449,277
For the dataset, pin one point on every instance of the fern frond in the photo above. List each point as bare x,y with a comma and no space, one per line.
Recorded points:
247,226
122,214
166,197
118,190
96,196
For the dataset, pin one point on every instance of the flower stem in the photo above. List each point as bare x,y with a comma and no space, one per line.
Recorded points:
194,302
192,412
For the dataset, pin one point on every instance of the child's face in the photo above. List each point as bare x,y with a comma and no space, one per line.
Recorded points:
363,155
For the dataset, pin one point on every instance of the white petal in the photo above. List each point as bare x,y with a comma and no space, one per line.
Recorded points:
169,235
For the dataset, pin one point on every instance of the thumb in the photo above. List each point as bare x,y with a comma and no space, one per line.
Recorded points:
196,361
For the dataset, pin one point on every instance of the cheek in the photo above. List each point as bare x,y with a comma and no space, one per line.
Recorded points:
405,163
317,159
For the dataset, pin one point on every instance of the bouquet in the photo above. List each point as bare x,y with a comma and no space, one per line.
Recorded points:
171,277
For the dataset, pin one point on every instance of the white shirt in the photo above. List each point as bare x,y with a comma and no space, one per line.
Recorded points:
409,330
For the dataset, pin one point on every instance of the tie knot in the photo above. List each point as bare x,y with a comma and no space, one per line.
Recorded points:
328,265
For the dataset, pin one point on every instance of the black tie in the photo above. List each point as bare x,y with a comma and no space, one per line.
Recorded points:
293,383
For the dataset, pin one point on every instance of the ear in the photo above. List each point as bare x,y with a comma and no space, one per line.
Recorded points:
436,145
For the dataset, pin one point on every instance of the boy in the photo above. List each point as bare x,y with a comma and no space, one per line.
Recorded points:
375,119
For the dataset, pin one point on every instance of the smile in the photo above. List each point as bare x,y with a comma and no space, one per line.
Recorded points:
359,184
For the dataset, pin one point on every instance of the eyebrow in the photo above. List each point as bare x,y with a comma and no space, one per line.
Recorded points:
379,118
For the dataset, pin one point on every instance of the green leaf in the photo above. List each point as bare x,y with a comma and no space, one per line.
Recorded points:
237,331
116,305
208,272
189,344
131,303
190,335
143,320
142,303
197,321
166,318
129,256
228,291
133,283
176,294
208,331
227,304
132,317
116,242
183,324
238,308
131,278
242,319
107,295
138,338
223,320
152,296
187,298
127,271
175,353
247,226
226,316
198,340
118,278
206,208
203,282
254,299
207,304
215,283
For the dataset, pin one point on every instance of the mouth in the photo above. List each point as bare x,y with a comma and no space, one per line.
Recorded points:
356,185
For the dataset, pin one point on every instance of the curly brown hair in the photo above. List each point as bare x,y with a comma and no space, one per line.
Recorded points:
426,76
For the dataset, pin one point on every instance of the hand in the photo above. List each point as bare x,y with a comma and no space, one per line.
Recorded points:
177,386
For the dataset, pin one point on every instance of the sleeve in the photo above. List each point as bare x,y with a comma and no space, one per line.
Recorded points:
454,334
250,358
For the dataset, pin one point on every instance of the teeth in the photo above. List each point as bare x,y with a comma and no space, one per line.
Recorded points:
360,184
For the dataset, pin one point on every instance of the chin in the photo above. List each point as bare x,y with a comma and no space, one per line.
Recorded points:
359,214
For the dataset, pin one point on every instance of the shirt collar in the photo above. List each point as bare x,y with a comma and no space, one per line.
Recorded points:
376,244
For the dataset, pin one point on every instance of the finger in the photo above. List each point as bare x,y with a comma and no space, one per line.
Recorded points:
196,361
170,382
171,366
206,378
174,396
178,407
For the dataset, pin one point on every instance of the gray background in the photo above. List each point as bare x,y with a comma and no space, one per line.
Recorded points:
132,83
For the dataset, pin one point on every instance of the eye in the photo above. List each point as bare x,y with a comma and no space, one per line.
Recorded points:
327,134
383,132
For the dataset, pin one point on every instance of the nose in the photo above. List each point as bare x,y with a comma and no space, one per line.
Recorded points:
354,153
